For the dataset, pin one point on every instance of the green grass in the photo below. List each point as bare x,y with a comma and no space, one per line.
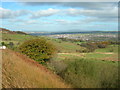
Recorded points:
62,46
96,55
16,37
110,48
87,73
67,47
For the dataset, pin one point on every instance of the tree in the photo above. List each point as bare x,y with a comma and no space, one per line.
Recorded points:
40,50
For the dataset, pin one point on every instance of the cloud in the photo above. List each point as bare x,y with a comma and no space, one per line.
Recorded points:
68,22
44,13
100,20
86,21
10,14
7,13
62,21
22,21
90,16
16,20
107,13
31,22
85,5
89,10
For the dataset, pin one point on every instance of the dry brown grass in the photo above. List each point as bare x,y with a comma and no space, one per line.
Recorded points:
21,72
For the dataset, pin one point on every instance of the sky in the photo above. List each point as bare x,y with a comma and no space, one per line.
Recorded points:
59,16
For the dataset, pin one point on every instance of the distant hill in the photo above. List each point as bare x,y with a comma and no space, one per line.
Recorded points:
3,30
82,32
19,71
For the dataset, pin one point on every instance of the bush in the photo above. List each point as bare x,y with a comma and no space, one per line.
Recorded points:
11,44
85,50
3,44
85,73
103,44
90,46
38,49
95,45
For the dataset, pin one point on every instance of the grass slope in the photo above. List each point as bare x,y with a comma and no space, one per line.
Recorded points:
62,46
21,72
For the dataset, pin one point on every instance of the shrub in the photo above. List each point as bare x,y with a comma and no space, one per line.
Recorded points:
40,50
115,42
11,44
95,45
90,46
85,73
103,44
3,43
84,50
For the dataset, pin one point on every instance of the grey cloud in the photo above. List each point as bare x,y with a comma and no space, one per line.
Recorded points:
68,22
108,13
103,10
87,20
85,5
95,19
31,22
16,20
26,22
44,13
7,13
10,14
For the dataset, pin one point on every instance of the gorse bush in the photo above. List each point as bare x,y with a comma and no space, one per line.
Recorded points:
83,50
95,45
85,73
40,50
89,46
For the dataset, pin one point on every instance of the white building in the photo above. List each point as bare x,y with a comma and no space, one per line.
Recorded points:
2,47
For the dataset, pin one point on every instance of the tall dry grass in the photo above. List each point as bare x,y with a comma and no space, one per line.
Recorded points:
18,73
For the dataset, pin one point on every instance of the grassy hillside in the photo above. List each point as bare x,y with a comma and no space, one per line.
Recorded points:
97,69
19,71
65,46
3,30
16,38
62,46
